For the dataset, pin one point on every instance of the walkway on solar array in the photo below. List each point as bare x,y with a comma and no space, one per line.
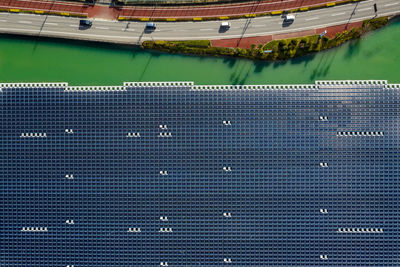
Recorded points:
178,174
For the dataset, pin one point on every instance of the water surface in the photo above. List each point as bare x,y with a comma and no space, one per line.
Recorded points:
376,56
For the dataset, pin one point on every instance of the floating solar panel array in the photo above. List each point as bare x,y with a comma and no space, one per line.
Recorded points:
177,174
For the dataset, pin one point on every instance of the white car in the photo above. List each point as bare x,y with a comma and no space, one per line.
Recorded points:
225,25
289,18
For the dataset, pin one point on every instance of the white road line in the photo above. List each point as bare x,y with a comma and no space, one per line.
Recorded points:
51,23
392,4
3,20
364,9
102,28
258,25
312,19
338,14
25,22
72,25
206,29
128,30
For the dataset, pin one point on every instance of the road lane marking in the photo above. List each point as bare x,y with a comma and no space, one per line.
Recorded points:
102,28
128,30
25,22
338,14
51,23
72,25
3,20
206,29
364,9
392,4
312,19
258,25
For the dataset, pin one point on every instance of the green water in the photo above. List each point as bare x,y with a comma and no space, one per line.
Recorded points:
375,56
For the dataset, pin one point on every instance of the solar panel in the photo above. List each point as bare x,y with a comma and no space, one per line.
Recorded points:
185,175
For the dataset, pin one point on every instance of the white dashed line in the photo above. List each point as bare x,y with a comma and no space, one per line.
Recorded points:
25,22
338,14
312,19
364,9
102,28
72,25
206,29
51,23
393,4
3,20
128,30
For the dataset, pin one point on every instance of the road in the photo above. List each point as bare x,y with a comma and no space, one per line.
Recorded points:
133,32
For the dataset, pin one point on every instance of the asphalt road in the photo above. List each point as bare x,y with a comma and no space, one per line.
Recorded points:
134,32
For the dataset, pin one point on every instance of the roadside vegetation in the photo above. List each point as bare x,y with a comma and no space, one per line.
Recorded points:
274,50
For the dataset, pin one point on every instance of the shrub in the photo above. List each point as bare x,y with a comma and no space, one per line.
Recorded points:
281,49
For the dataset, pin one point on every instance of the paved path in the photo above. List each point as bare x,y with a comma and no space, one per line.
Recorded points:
133,32
103,11
247,42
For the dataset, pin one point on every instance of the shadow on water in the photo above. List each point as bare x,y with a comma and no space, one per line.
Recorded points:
229,61
280,63
240,73
353,48
260,65
303,60
324,64
145,68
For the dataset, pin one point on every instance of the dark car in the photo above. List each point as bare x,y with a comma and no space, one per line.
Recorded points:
85,23
151,26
